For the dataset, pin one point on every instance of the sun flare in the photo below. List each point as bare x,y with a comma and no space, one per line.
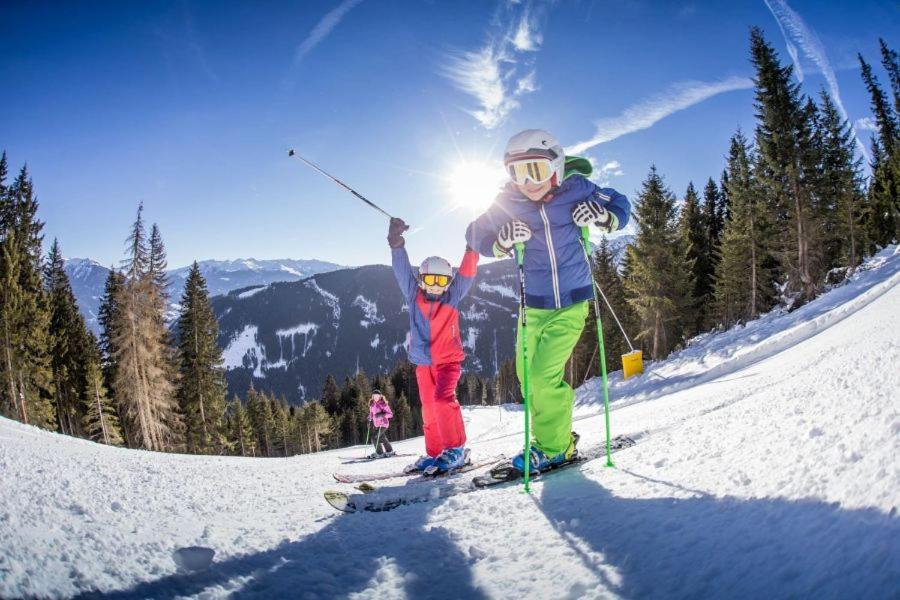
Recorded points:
474,185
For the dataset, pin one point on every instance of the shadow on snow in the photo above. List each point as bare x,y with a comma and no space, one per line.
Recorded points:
704,546
352,552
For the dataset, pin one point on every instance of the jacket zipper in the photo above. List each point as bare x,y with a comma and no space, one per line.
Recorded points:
552,253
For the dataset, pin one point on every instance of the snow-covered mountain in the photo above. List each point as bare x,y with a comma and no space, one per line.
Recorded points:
88,278
765,467
222,276
287,337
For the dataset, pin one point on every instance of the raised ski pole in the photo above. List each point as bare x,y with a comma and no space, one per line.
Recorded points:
586,243
341,183
520,260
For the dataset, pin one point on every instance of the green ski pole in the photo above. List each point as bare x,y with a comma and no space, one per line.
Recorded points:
586,242
520,260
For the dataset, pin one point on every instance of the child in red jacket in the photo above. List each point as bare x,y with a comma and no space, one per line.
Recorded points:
435,347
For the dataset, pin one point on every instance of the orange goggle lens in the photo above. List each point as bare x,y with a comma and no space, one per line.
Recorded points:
538,171
440,280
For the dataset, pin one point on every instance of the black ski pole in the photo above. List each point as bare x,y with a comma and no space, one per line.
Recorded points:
341,183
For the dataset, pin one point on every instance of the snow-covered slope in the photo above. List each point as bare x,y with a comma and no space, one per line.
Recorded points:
766,467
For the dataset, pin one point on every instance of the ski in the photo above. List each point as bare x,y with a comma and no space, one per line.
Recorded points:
364,459
406,472
506,473
382,500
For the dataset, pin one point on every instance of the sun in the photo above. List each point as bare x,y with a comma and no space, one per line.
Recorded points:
474,184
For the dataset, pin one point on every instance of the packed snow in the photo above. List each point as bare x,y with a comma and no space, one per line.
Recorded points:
370,311
251,292
307,330
501,290
243,345
766,467
330,299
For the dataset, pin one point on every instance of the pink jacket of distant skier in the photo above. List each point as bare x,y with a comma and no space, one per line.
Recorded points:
380,412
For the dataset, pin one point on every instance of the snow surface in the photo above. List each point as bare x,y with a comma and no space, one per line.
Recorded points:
251,292
370,311
502,290
766,467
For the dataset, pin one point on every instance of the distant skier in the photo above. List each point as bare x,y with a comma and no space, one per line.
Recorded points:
380,414
435,346
546,203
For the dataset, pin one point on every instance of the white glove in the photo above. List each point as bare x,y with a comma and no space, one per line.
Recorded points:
512,233
591,213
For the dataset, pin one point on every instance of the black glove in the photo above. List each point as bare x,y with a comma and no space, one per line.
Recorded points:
395,233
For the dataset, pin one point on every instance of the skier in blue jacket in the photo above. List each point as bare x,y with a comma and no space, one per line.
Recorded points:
546,203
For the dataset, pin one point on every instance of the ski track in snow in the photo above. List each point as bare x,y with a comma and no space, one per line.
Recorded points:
766,468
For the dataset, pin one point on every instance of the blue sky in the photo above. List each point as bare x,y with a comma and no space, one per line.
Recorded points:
190,107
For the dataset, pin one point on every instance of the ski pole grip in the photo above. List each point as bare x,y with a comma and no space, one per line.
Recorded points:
520,253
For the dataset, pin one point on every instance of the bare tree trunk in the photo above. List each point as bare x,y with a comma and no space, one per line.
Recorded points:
753,284
102,416
22,399
10,374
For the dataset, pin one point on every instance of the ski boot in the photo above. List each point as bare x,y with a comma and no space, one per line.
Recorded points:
422,464
449,459
541,462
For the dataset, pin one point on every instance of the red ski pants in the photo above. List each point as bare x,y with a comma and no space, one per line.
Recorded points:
442,417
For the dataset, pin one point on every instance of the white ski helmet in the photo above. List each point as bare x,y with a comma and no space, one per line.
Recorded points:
537,143
435,265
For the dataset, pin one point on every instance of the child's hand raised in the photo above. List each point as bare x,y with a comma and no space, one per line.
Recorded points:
395,233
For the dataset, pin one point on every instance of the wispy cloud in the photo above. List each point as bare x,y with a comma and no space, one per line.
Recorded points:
603,175
323,28
647,113
502,70
795,31
479,73
866,124
527,38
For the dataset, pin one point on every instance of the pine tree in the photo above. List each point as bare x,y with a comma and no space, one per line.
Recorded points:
402,423
743,284
883,214
841,184
27,390
331,395
281,430
69,339
658,286
100,421
319,423
240,430
143,377
262,421
891,63
783,142
712,214
201,388
694,232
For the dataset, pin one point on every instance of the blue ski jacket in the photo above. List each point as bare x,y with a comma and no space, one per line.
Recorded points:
557,273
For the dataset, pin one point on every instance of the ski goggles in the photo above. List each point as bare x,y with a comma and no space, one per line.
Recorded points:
538,170
440,280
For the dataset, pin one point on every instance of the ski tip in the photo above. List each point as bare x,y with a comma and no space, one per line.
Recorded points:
340,501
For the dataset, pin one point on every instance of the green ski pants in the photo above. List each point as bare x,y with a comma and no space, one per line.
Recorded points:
552,335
